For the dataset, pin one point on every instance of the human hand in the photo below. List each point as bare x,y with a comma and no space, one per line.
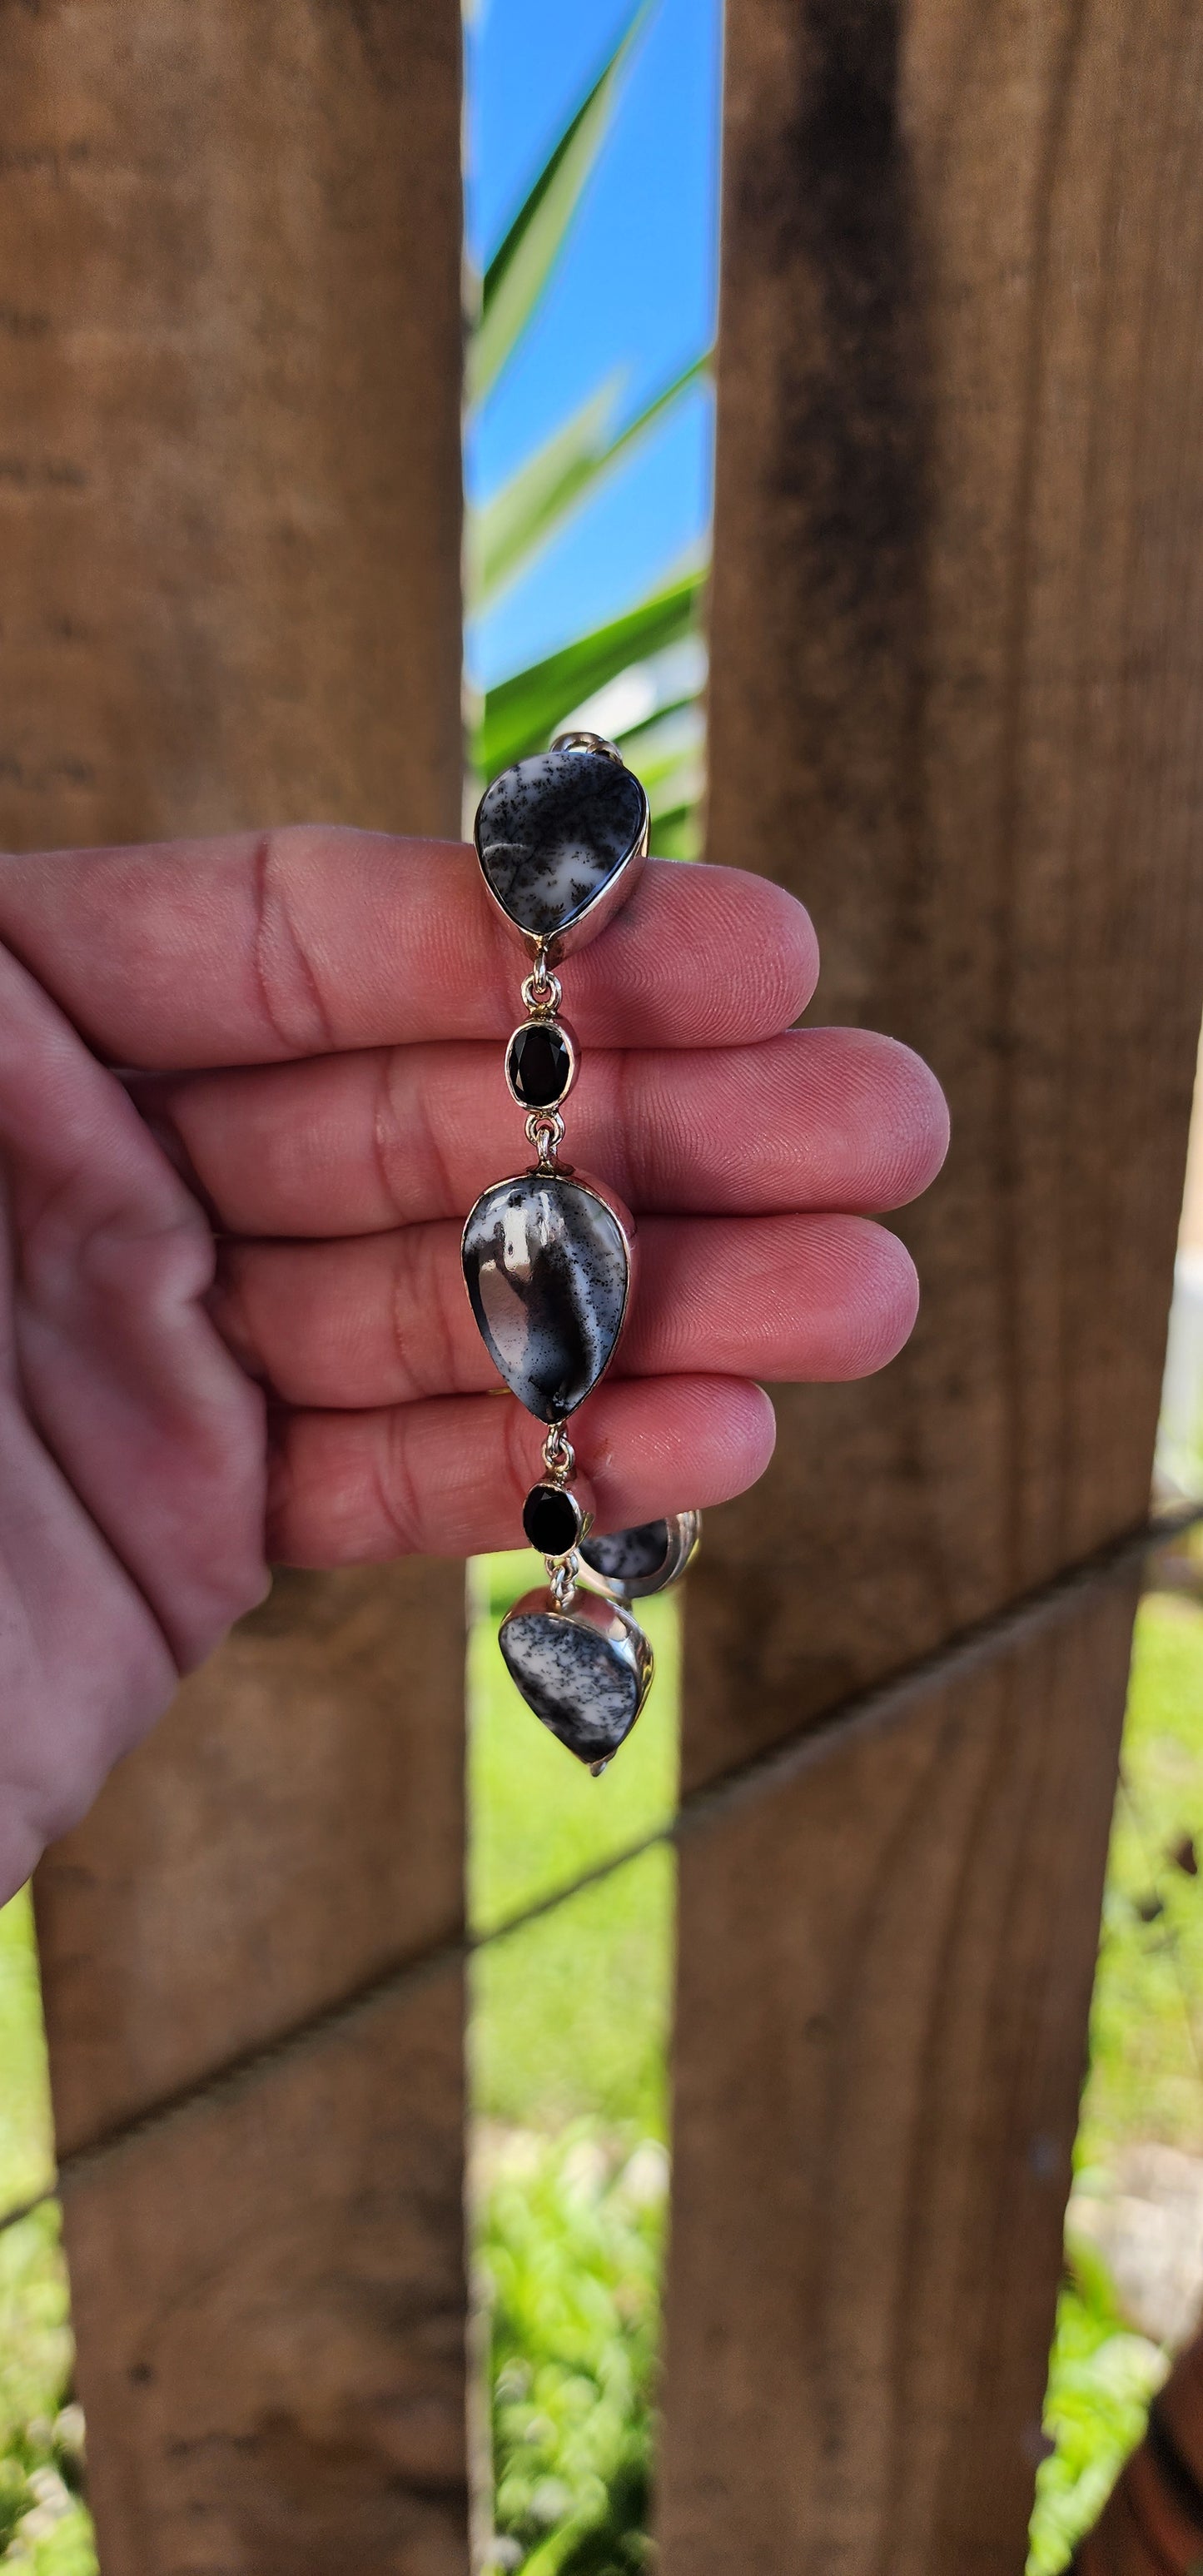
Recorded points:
311,1023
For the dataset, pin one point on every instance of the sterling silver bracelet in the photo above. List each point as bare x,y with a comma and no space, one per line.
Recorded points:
549,1254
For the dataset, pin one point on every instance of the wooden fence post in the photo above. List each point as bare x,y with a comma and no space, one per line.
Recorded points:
957,681
230,502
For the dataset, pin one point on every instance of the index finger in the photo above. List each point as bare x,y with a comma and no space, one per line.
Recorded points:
302,942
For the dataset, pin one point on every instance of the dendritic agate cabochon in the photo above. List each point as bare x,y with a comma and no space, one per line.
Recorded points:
629,1555
552,831
584,1672
546,1266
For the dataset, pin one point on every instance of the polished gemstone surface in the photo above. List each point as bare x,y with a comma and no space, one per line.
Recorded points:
547,1272
539,1065
585,1672
551,1519
553,830
626,1555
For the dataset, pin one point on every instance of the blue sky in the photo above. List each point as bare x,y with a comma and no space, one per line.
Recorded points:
634,295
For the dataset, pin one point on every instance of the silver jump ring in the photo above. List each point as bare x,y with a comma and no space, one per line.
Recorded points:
559,1456
545,1130
542,993
561,1581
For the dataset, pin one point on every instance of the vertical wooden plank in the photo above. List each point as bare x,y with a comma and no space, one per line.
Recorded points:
877,2077
956,653
229,507
291,2387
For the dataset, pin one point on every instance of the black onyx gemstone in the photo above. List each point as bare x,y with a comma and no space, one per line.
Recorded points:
551,1519
553,830
538,1065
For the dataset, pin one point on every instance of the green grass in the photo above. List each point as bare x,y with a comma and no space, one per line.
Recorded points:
1101,2377
1145,2078
1146,2072
570,2245
43,2527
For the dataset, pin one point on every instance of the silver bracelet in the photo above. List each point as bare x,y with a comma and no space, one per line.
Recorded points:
549,1254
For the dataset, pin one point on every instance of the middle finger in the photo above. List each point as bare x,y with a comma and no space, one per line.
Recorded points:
817,1118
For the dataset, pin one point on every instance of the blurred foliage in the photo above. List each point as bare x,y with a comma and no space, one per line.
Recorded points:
1146,2030
570,2253
1144,2074
1101,2377
44,2528
528,255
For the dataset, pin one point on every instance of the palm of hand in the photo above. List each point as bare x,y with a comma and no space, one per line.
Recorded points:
131,1445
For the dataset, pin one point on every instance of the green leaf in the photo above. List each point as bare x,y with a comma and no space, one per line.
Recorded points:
510,525
645,694
519,270
521,713
509,531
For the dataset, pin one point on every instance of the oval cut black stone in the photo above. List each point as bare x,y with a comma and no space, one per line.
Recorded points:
551,1519
539,1065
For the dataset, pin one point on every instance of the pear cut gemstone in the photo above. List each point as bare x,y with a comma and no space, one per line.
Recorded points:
553,831
546,1266
585,1671
629,1555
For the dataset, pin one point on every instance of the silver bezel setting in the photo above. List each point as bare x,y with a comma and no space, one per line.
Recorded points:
623,1219
684,1536
584,1520
544,1020
592,917
602,1613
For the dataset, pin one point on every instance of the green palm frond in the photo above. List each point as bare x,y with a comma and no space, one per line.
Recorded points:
520,713
507,533
519,270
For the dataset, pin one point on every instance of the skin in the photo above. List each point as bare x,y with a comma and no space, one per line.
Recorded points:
248,1090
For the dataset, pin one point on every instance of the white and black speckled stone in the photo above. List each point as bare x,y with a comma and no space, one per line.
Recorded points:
630,1563
625,1556
546,1267
585,1671
553,831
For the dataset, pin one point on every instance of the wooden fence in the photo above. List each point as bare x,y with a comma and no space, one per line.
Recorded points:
957,626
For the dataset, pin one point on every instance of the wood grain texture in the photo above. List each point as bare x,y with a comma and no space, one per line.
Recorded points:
957,706
293,1830
230,378
291,2392
230,335
884,1978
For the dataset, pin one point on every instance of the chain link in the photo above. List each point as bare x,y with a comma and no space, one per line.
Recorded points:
559,1456
542,992
561,1579
545,1131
